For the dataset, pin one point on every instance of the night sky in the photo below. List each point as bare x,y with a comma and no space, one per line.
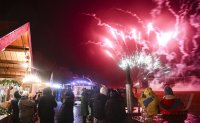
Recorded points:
61,30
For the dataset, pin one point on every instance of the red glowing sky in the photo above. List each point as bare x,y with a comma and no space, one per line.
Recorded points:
61,30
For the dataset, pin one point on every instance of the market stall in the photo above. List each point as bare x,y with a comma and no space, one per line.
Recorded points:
15,61
78,83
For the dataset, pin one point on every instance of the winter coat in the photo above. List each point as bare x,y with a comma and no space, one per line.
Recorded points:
170,105
172,109
46,106
65,114
15,109
151,105
26,110
99,106
84,104
115,110
150,102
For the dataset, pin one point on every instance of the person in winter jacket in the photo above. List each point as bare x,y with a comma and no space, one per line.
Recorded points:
26,109
46,106
172,107
69,92
15,108
84,105
115,108
65,114
93,94
149,102
99,105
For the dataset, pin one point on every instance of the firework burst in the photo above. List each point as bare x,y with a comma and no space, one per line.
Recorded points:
162,43
141,60
128,46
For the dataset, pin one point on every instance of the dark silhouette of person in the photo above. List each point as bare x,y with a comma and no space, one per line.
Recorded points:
84,105
65,114
99,105
26,108
115,108
15,108
46,106
172,107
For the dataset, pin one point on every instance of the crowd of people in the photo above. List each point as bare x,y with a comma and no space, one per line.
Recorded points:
99,105
26,110
170,107
108,106
103,106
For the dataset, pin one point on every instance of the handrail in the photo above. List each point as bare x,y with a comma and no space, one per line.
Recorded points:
189,101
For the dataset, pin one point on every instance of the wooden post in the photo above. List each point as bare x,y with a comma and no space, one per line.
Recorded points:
129,93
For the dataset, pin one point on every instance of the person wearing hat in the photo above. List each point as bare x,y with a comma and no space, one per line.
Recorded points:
26,108
65,114
99,105
170,104
171,107
15,108
46,105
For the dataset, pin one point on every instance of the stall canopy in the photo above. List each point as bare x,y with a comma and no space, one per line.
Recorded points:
15,50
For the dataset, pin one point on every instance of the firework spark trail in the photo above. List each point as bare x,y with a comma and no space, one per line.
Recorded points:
95,43
114,32
127,35
118,35
188,13
195,22
184,10
133,15
162,37
149,27
138,41
100,23
193,7
159,8
155,12
177,17
121,37
180,15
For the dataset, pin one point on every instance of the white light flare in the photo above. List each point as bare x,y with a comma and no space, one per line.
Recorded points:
113,33
109,54
108,43
164,38
149,28
31,78
54,85
139,36
133,34
122,36
58,86
25,65
137,84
